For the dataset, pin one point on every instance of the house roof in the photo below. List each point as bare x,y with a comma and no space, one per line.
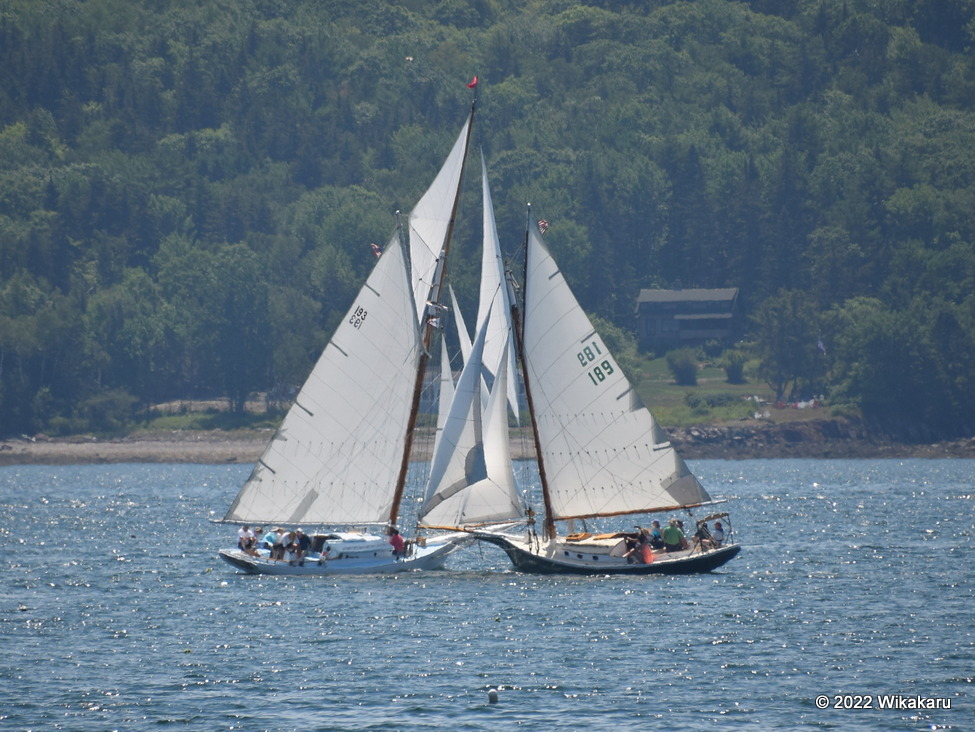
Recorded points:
724,294
705,316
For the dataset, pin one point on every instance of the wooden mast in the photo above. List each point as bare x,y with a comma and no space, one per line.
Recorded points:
435,293
548,525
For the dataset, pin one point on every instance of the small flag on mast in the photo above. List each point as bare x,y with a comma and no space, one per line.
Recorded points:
472,83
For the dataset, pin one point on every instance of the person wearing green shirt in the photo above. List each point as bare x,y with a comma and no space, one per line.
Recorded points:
673,537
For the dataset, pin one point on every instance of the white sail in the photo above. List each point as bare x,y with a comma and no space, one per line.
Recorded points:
462,334
338,454
446,395
465,341
494,298
335,457
471,478
502,498
429,222
603,452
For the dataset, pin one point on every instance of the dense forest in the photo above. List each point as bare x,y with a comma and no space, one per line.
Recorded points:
189,188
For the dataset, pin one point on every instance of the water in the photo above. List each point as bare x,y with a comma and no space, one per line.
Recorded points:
856,579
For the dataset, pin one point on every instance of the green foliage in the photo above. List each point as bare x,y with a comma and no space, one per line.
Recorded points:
909,369
683,365
786,332
188,190
107,412
712,400
709,401
209,420
622,344
733,362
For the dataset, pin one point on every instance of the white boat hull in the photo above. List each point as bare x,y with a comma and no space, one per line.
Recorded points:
560,556
344,560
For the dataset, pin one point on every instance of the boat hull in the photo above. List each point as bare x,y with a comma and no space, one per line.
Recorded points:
430,557
561,557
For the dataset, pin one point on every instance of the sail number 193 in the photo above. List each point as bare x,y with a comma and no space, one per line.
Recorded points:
358,317
592,354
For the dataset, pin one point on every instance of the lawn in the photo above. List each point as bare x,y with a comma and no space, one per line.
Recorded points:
712,400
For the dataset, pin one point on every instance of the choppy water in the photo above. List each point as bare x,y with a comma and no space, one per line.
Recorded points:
857,579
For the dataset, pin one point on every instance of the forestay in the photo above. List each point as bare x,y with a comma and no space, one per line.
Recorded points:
602,450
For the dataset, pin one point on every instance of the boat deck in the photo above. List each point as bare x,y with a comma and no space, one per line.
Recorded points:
600,555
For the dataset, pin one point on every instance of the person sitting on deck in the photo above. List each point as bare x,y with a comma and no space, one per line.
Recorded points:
246,539
656,539
304,544
290,544
398,544
717,534
280,542
632,549
645,546
673,537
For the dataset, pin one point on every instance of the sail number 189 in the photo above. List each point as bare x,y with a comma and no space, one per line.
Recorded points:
590,355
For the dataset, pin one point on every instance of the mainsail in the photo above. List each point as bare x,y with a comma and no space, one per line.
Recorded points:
335,457
602,451
341,453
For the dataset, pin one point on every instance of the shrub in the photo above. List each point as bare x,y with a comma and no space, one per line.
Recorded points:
109,412
683,365
733,362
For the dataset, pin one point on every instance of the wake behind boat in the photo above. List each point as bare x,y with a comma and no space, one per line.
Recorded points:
340,457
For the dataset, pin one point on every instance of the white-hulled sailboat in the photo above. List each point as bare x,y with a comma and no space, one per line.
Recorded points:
341,456
600,452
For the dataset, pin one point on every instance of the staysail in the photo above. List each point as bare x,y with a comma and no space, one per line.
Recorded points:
603,452
493,297
471,477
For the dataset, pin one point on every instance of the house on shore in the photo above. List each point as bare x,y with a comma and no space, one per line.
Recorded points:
669,319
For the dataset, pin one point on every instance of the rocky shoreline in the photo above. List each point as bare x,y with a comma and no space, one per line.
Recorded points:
212,446
824,439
